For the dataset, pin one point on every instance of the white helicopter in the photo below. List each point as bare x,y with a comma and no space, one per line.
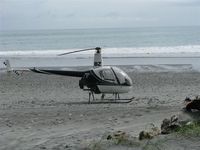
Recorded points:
97,80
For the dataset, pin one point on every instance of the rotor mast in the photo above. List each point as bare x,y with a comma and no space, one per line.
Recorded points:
98,57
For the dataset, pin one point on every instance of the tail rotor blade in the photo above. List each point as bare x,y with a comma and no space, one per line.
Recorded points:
82,50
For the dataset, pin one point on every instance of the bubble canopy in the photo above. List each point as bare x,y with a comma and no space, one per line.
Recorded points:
114,75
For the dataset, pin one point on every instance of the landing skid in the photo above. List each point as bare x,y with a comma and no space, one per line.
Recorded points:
104,100
111,101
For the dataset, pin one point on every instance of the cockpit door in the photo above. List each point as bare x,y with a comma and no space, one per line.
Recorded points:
106,74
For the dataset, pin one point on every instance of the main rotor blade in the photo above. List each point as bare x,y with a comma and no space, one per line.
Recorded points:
88,49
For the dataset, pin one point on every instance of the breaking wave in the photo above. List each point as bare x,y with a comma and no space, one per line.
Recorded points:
113,52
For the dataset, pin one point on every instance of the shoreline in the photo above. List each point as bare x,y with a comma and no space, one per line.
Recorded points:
106,54
62,62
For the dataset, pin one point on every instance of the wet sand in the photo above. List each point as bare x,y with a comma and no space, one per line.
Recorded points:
36,111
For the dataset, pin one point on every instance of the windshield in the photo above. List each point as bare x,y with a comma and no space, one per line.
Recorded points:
123,78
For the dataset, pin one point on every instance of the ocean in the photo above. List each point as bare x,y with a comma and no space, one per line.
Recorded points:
115,42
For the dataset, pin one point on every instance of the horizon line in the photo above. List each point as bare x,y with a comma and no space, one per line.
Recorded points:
88,28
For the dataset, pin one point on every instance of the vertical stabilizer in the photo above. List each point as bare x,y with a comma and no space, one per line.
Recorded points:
8,66
98,58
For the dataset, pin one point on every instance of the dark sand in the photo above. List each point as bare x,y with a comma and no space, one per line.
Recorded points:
36,111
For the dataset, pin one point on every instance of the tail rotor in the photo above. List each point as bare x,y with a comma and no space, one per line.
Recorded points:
8,66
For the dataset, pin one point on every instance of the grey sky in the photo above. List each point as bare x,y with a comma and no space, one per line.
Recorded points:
62,14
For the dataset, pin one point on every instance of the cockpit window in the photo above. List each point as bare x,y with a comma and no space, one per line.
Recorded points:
123,78
106,74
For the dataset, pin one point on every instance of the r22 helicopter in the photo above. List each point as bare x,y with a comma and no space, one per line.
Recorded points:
97,80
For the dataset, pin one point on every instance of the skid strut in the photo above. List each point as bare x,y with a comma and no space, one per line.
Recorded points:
117,97
91,94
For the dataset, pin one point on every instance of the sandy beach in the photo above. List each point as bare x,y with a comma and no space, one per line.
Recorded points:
156,42
45,111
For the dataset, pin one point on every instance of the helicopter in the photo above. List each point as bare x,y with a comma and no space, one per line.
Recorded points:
97,80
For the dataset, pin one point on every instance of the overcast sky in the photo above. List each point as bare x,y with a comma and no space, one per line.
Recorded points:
64,14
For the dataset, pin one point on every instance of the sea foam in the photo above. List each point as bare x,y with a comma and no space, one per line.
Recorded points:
188,50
